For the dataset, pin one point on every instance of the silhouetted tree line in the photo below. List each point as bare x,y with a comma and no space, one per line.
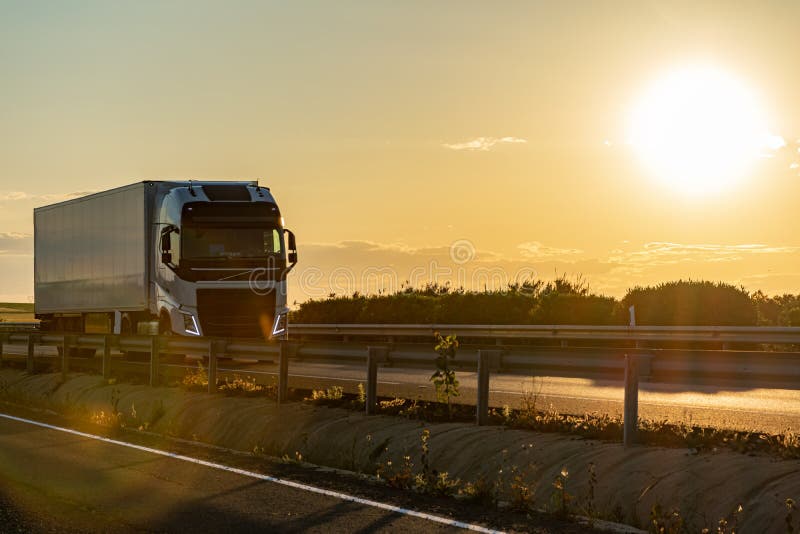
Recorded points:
561,301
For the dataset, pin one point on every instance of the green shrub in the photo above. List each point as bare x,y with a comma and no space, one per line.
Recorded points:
692,303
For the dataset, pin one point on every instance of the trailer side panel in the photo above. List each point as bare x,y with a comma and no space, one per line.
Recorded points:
91,253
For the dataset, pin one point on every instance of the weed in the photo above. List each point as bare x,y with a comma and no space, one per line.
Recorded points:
482,491
520,493
665,522
243,386
361,399
561,498
444,378
401,477
425,478
332,395
196,379
392,407
108,419
445,486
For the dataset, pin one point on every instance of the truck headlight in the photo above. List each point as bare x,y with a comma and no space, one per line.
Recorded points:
190,324
279,328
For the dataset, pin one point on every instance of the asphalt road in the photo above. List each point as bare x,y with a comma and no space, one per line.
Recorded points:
764,410
51,481
724,406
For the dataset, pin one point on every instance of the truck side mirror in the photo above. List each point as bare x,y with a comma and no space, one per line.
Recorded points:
291,247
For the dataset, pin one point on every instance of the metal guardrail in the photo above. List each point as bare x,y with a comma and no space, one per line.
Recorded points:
716,334
485,351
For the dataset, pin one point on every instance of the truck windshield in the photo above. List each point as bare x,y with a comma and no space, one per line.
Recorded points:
198,242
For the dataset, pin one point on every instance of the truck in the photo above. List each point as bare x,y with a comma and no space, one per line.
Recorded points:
188,258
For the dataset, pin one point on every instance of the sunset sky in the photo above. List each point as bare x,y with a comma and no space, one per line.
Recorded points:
427,139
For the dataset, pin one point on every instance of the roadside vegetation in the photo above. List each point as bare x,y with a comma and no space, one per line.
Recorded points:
561,301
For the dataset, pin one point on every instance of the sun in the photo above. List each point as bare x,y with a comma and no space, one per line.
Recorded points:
698,129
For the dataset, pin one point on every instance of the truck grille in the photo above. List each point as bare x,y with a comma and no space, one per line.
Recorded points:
235,313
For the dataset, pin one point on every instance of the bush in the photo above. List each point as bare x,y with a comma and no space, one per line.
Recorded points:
692,303
561,301
569,308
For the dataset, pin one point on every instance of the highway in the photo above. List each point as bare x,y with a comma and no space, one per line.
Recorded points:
724,406
764,410
62,482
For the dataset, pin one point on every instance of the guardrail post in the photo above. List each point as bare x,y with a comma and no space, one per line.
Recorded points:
215,347
106,357
375,356
65,343
29,360
488,360
631,415
286,350
154,360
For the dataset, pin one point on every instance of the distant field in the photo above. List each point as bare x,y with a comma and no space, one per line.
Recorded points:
16,312
16,307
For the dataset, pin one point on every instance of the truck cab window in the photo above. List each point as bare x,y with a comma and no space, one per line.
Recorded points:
201,242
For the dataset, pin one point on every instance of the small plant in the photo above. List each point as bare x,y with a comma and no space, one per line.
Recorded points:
298,458
331,395
481,491
393,406
445,486
521,494
246,386
560,496
790,508
425,477
361,399
108,419
196,379
401,477
444,378
663,522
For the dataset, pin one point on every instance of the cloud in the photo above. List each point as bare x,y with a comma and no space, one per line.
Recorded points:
536,250
774,142
14,195
665,253
60,197
10,196
484,143
15,244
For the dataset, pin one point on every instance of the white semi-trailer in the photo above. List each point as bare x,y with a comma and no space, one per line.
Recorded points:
189,258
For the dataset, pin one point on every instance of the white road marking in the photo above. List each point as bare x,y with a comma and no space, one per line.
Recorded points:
267,478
